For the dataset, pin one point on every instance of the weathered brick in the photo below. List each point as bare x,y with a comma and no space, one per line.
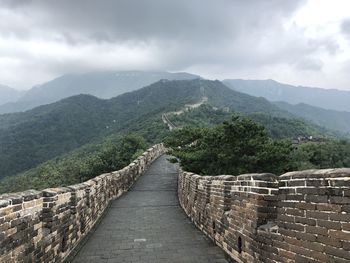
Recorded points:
316,198
292,226
339,234
329,207
316,230
317,215
345,226
329,241
305,236
345,208
339,200
346,245
305,221
305,206
329,224
314,246
339,217
338,252
286,218
295,212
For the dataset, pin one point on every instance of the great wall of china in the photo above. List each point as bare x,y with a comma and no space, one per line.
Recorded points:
297,217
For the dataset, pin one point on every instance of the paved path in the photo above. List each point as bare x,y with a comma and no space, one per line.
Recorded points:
147,224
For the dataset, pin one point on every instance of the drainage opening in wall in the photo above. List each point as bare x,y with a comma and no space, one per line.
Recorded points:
214,226
239,245
63,244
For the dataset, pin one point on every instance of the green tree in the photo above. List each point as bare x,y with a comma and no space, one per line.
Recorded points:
235,147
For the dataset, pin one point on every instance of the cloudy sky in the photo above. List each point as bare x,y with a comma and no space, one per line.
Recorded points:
302,42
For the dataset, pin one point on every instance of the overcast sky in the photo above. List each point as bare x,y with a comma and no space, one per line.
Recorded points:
301,42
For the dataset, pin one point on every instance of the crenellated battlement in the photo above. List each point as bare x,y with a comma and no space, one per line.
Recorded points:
45,226
297,217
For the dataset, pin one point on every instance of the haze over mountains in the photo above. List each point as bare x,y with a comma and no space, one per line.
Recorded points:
112,83
337,120
100,84
8,94
275,91
325,107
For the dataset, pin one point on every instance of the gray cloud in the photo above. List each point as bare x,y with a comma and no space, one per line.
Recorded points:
345,28
123,20
57,37
309,64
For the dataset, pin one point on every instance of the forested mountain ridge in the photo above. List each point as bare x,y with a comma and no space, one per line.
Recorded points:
275,91
337,120
219,95
29,138
81,132
105,85
276,127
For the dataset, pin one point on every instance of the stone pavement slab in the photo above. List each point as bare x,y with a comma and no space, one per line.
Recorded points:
147,224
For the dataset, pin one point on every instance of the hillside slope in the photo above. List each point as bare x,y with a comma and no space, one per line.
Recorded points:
336,120
99,84
276,127
275,91
30,138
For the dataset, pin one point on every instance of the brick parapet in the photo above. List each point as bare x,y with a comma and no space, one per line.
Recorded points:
45,226
297,217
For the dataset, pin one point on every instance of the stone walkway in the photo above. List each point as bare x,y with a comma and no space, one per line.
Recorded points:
147,224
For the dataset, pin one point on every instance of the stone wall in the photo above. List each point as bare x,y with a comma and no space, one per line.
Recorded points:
297,217
45,226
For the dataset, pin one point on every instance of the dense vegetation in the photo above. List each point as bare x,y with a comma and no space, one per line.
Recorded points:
221,96
203,116
329,154
81,165
33,137
283,128
30,138
276,127
242,146
235,147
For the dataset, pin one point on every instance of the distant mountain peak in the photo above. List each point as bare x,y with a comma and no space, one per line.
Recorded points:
101,84
275,91
8,94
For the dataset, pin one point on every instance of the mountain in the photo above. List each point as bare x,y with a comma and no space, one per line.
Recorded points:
274,91
100,84
32,137
48,131
277,128
220,96
336,120
37,135
8,94
79,137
